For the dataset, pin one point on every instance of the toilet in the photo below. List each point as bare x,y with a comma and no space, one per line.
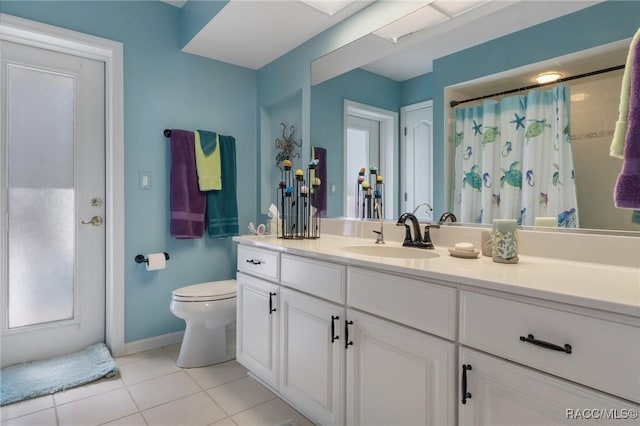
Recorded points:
209,310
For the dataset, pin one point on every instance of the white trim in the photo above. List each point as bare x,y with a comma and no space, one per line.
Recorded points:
152,343
31,33
388,152
403,143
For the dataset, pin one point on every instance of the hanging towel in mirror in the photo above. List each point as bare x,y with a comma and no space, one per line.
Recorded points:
208,160
620,132
222,205
187,201
320,201
627,190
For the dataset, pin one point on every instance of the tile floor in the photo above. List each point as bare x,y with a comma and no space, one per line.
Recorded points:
151,390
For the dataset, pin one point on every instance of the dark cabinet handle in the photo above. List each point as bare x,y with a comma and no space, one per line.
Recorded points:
465,395
255,262
334,318
271,308
530,339
347,343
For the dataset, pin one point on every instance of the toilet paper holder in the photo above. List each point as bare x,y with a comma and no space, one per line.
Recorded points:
141,259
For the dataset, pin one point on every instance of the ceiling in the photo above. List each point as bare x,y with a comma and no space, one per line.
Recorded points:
254,33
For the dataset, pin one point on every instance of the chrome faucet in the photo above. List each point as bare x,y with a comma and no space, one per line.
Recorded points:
427,205
380,233
418,240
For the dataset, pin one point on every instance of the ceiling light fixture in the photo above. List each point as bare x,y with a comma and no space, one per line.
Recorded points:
548,77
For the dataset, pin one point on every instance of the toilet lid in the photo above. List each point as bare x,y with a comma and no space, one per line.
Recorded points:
213,290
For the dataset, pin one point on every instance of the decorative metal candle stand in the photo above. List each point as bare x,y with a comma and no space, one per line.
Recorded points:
299,218
377,195
287,201
359,193
299,226
313,229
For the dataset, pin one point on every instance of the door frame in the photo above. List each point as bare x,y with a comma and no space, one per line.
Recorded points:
36,34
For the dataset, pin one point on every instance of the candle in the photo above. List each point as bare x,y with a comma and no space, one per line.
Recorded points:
505,241
549,222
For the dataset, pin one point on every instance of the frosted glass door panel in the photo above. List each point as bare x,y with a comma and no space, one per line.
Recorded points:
41,196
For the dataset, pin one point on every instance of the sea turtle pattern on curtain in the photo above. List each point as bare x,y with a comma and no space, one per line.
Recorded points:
514,159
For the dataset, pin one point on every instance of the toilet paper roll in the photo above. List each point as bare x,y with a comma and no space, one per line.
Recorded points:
156,262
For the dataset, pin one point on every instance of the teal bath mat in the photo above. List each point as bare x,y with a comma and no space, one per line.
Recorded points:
37,378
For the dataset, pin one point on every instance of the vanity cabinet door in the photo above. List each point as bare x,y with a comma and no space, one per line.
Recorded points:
499,392
312,356
257,327
397,375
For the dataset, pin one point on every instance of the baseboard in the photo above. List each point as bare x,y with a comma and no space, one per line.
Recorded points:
151,343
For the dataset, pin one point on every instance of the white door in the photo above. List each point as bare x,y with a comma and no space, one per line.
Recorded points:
362,150
312,356
52,267
417,158
257,327
397,375
501,393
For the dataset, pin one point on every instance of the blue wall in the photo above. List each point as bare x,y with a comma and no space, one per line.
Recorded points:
327,107
164,88
600,24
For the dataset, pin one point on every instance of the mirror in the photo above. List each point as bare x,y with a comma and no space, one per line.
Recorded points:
594,109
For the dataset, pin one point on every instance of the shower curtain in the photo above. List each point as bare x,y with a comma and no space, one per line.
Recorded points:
514,159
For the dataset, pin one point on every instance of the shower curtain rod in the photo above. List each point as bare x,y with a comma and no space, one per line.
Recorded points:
533,86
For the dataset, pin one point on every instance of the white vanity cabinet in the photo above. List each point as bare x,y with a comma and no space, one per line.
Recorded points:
312,356
498,392
257,313
559,345
349,342
397,375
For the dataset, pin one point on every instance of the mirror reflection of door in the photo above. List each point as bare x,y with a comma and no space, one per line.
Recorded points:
363,150
417,158
371,139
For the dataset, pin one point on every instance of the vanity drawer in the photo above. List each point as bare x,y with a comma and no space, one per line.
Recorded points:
321,279
603,354
419,304
258,262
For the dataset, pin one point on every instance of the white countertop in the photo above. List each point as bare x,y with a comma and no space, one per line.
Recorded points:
603,287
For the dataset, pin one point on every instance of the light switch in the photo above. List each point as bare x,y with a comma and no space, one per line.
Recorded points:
144,181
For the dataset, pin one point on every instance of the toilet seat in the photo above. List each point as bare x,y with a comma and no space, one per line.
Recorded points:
205,292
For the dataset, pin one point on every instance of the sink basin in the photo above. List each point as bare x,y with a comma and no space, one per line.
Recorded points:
391,251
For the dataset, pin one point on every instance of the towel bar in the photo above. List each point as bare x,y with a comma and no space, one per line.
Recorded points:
167,133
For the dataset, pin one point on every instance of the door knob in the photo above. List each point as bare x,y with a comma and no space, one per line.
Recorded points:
95,221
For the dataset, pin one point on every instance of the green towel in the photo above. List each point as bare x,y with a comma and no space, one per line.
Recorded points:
620,132
208,160
222,206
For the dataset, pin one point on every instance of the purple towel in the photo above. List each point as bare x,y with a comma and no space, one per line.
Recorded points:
627,190
187,201
319,201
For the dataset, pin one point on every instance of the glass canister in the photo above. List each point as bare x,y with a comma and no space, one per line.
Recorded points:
505,241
